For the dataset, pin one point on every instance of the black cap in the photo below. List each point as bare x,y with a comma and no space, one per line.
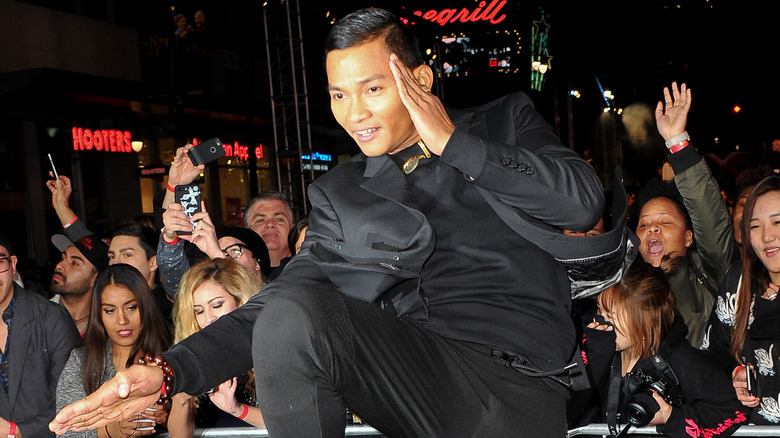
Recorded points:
90,246
5,242
254,243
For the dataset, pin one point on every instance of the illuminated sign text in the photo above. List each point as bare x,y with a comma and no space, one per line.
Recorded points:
465,16
237,150
317,156
108,140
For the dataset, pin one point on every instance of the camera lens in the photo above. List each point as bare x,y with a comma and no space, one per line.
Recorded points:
213,149
641,409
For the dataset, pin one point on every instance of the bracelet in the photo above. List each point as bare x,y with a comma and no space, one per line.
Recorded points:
737,370
679,138
73,221
170,188
244,412
678,147
172,242
167,383
11,429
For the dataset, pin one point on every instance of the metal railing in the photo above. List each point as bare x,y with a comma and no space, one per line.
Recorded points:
258,432
597,429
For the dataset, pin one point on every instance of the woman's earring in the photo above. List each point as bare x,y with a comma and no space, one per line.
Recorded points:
425,88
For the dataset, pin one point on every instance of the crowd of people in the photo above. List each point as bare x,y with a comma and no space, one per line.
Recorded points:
413,294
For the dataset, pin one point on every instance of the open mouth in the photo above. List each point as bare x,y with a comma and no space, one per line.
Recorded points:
655,247
367,134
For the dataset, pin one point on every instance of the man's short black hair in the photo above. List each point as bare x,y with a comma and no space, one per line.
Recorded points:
366,25
147,237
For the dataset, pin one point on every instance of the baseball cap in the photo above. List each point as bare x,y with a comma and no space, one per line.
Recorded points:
6,243
90,246
254,243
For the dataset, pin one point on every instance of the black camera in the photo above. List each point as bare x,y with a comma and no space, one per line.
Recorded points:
640,406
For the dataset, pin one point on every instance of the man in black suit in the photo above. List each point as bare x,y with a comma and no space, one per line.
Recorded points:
412,301
36,337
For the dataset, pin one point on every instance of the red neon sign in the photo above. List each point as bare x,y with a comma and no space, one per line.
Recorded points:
108,140
464,16
237,150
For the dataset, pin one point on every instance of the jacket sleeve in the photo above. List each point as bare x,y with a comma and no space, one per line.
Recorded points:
717,335
598,349
529,168
712,229
61,336
172,263
710,406
76,230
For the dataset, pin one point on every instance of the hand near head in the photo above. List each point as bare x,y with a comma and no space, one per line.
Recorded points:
126,394
426,110
182,171
672,114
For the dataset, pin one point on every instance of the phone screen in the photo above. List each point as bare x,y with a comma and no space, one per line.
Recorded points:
189,196
54,169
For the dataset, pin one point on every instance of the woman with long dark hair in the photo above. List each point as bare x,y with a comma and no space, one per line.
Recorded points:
124,324
755,334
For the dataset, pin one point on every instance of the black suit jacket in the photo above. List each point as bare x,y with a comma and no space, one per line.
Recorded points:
42,335
367,236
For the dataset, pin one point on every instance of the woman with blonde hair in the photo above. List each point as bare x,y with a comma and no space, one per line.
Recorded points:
209,290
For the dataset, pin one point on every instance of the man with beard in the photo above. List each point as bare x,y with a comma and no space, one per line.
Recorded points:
75,274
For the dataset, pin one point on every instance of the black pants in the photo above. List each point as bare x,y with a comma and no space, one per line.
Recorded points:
316,352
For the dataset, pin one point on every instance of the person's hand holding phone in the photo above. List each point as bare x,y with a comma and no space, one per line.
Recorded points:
739,381
175,221
183,171
204,235
61,189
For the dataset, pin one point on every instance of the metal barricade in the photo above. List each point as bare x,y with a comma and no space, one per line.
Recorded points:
595,429
258,432
601,429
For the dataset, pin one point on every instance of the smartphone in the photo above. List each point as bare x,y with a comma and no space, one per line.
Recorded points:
189,197
752,384
54,169
206,152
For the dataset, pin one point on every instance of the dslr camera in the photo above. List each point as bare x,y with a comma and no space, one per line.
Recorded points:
640,406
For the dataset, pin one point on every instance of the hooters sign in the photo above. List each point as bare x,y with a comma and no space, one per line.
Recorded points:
108,140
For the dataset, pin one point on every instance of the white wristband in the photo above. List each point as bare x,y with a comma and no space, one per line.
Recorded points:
679,138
